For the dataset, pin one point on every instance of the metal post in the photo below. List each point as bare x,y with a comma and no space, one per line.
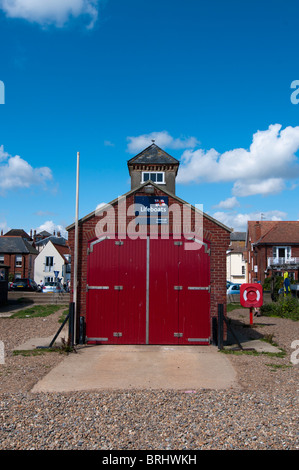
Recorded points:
71,323
220,326
214,331
251,315
75,284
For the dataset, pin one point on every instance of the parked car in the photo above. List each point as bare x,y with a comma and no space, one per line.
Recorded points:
52,287
228,284
233,289
24,284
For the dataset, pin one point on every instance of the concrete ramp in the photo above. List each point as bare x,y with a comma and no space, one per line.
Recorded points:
140,367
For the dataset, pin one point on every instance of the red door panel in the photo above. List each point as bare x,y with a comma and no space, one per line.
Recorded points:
102,308
116,294
194,297
132,293
163,296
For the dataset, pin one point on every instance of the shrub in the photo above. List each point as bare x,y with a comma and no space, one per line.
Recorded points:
286,307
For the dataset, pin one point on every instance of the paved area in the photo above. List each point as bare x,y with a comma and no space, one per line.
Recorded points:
140,367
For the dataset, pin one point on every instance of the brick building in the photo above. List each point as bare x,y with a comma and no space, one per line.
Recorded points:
272,247
19,255
151,268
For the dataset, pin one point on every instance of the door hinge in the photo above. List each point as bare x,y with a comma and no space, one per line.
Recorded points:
208,288
178,335
117,334
178,287
178,243
96,288
118,242
118,287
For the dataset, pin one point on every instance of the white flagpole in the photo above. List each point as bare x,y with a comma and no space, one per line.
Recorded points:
75,286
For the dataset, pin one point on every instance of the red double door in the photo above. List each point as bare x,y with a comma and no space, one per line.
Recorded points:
148,291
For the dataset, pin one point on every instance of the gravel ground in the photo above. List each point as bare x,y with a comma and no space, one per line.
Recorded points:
262,414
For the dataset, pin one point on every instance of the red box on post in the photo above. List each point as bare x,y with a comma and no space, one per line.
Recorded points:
251,295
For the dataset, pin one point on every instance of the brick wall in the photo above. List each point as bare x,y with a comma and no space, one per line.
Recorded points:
26,269
218,237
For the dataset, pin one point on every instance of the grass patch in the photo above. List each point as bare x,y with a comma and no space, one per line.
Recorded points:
65,348
275,367
63,316
231,307
37,311
33,352
249,352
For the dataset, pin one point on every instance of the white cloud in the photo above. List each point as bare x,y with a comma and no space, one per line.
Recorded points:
4,227
162,139
50,227
46,12
17,173
239,221
268,186
228,203
3,155
108,143
262,169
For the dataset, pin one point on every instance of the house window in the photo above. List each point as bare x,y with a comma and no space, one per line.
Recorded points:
18,261
49,263
243,270
1,259
155,177
282,252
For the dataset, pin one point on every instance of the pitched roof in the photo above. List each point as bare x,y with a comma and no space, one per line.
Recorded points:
282,232
153,155
132,191
44,233
16,245
17,232
238,236
275,232
62,249
53,239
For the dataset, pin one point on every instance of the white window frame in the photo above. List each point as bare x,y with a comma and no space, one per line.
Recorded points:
151,173
48,266
287,252
1,259
18,261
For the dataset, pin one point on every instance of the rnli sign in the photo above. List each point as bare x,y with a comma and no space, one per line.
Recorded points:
251,295
151,209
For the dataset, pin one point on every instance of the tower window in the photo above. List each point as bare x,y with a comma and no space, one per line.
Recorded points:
155,177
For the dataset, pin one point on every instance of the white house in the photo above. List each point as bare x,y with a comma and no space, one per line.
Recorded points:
235,262
53,261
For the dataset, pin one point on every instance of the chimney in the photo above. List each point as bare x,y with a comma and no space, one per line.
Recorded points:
258,230
1,233
54,233
58,234
31,233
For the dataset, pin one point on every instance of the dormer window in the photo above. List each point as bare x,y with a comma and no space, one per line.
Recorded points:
154,176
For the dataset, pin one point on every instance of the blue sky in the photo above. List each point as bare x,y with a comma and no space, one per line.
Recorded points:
209,80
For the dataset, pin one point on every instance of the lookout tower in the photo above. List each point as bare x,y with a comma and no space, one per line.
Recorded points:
154,164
